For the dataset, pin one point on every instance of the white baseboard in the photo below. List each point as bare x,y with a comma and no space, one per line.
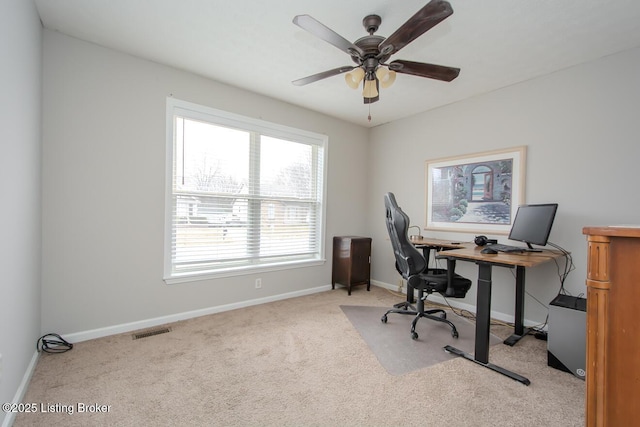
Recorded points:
163,320
455,303
24,384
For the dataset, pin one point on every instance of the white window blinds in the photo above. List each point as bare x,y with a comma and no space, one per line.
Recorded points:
242,194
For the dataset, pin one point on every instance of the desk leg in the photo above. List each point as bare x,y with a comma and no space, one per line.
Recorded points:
483,327
520,331
483,313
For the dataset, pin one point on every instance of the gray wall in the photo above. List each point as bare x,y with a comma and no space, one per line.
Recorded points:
20,176
104,187
581,128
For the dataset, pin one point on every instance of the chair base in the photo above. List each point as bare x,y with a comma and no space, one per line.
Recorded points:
429,314
405,305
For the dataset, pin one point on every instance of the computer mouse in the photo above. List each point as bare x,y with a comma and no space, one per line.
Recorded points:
489,250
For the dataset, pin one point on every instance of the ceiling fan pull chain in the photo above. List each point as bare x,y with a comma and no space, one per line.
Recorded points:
369,117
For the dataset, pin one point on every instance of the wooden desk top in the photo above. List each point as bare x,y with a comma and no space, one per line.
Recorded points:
525,259
469,251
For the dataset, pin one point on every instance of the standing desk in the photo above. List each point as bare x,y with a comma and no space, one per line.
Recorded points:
486,262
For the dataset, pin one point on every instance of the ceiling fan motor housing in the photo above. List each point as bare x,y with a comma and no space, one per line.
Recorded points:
369,45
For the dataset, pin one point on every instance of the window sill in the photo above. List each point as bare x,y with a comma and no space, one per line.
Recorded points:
240,271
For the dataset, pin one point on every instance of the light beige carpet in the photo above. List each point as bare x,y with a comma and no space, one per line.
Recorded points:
392,344
298,362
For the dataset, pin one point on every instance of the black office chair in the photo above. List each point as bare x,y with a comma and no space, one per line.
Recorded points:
413,267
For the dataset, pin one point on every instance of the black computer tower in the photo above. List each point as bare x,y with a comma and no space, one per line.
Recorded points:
567,335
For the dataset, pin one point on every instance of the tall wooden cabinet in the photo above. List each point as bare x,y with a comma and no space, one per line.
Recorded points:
351,262
613,328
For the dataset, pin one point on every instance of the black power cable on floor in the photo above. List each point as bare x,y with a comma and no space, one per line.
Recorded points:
53,343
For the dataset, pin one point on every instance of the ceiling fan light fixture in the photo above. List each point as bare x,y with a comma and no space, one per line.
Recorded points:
386,78
354,78
370,89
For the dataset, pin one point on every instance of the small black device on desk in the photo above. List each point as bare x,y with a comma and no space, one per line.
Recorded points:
484,240
489,250
498,247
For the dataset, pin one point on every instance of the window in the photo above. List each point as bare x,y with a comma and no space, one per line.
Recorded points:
242,194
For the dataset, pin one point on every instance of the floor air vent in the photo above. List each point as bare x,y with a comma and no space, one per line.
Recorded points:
151,333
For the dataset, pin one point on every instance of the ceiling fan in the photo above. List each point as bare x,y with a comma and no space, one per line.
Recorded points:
371,52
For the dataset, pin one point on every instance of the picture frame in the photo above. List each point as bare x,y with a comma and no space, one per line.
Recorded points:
475,193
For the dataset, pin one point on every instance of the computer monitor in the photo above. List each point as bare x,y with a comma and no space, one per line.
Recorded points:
533,224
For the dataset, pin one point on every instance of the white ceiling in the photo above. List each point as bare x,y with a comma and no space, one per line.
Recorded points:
254,44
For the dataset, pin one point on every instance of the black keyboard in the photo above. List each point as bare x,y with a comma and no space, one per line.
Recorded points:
506,248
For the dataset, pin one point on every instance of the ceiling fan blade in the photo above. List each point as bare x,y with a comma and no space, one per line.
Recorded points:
431,71
426,18
314,78
319,30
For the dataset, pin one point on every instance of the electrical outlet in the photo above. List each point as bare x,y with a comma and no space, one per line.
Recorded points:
258,283
400,285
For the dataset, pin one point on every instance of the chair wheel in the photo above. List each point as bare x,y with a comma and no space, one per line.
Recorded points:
414,335
454,334
384,319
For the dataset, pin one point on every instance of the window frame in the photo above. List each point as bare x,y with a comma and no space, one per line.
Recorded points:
218,117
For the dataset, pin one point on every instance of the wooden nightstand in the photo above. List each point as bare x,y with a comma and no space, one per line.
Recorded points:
351,262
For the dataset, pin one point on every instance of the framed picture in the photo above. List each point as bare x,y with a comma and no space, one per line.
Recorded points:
476,193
